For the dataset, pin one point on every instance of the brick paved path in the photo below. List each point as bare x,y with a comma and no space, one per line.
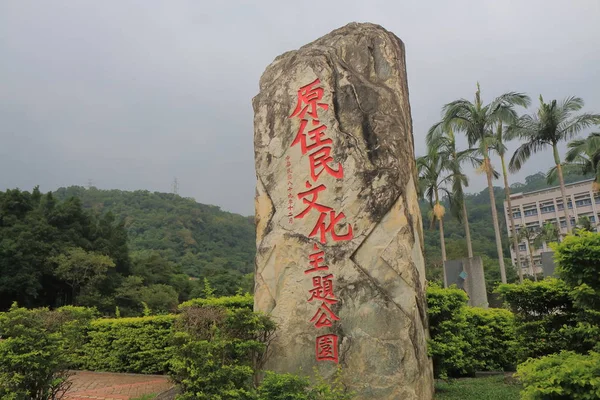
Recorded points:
109,386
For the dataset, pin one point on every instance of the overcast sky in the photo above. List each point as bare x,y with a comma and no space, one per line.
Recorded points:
131,94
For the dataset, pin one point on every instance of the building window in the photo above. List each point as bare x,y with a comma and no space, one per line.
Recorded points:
547,209
529,213
517,215
522,247
584,202
561,207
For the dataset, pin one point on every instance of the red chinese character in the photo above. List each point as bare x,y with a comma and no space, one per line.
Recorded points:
315,261
322,289
322,229
312,202
326,348
324,317
316,136
320,159
309,96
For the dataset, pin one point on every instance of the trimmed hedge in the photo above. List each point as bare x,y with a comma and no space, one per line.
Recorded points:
491,338
231,302
138,345
467,339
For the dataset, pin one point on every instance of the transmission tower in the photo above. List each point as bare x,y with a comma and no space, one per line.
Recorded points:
175,186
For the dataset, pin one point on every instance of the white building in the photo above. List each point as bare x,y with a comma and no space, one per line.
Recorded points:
535,209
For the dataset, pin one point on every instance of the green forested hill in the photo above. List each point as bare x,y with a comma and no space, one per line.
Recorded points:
120,250
202,239
208,242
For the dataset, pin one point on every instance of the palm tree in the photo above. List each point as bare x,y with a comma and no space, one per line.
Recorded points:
583,157
477,121
528,235
500,148
552,124
431,183
443,142
585,224
548,234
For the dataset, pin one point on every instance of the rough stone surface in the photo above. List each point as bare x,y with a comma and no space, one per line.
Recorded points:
378,274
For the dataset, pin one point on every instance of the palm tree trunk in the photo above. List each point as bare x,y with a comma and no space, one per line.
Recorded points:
563,191
531,261
467,230
488,172
512,220
441,222
442,241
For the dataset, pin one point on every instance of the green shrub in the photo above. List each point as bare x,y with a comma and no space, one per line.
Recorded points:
578,259
467,339
292,387
447,324
491,338
73,323
137,345
545,318
566,375
237,301
283,387
218,350
32,359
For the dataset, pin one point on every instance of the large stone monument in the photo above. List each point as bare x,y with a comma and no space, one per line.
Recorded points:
339,262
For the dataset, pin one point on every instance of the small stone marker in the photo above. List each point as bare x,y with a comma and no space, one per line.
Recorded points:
339,262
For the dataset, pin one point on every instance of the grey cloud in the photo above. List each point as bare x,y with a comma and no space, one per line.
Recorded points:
133,93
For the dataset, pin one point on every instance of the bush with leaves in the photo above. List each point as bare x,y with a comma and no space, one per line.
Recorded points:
231,302
447,324
545,317
467,339
293,387
491,339
218,351
578,259
33,361
565,375
73,324
137,345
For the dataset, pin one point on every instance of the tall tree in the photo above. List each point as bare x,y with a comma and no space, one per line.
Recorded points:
442,140
431,183
477,121
500,148
81,269
552,123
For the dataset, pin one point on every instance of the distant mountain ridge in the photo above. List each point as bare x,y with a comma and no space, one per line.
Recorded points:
203,239
209,242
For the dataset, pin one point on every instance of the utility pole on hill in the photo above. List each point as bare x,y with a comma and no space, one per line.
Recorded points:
175,186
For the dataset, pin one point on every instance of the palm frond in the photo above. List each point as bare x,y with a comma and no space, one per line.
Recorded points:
510,99
571,127
572,103
523,153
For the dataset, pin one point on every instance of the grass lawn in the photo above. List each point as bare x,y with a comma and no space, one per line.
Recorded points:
489,388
